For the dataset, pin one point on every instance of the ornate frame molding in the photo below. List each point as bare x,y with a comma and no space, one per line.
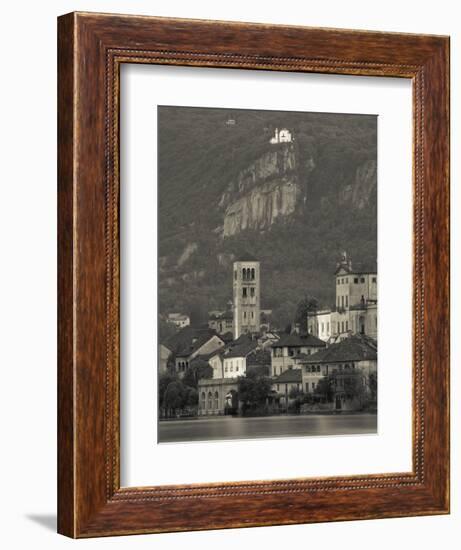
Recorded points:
91,49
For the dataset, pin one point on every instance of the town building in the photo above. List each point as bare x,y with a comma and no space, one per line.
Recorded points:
285,383
213,359
221,321
178,319
281,136
356,304
246,296
217,396
351,361
287,352
191,342
235,358
320,324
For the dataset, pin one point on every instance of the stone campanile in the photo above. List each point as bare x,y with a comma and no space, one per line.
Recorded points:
246,296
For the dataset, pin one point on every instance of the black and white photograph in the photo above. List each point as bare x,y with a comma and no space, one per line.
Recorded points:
267,274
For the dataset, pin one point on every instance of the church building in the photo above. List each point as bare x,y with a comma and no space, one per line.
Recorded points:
246,296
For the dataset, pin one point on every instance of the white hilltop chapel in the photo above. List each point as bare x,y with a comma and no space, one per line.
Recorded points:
282,136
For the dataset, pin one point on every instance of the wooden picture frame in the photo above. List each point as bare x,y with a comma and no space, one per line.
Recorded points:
92,48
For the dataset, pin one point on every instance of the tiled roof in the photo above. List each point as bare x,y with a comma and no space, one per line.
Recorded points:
290,375
358,268
298,340
188,340
241,349
354,348
227,337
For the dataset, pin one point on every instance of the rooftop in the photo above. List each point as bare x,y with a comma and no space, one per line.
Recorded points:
357,268
290,375
188,340
241,348
354,348
298,340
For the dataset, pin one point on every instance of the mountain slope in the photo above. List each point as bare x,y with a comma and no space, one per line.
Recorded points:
224,190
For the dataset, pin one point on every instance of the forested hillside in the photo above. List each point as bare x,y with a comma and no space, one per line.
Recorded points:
224,191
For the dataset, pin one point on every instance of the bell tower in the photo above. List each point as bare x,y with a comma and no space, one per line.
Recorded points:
246,296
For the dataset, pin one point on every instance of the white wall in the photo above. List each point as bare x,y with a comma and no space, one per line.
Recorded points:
28,274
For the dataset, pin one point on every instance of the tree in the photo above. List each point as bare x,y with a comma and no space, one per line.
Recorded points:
163,381
298,398
174,395
373,385
190,397
253,389
325,388
307,305
197,370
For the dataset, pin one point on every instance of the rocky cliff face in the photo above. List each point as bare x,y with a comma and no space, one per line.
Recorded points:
361,192
266,190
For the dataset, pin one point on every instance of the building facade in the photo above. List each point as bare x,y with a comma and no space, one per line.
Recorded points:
246,297
356,304
281,136
180,320
235,358
349,363
291,349
217,396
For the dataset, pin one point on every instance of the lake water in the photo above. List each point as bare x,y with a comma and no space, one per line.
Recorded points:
227,427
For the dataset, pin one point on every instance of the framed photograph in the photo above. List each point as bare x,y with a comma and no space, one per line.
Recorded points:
244,211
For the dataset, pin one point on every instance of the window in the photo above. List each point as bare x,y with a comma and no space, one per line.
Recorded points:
342,326
252,292
253,274
244,314
244,292
347,301
278,387
210,400
203,398
342,301
216,400
291,352
236,368
328,327
252,314
356,280
318,368
225,368
347,280
347,326
235,274
323,328
362,279
373,279
307,386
